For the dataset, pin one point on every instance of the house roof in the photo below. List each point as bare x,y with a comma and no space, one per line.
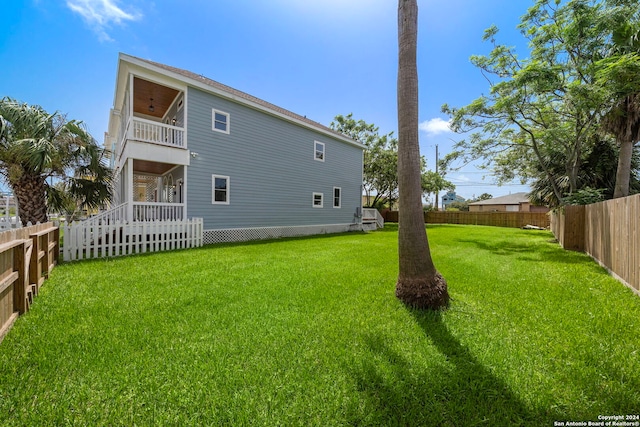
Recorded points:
511,199
242,97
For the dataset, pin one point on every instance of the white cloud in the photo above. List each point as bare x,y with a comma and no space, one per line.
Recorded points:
462,178
435,126
100,14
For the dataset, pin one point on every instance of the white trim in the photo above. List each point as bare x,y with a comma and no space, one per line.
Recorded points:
184,191
185,121
213,189
333,198
313,200
227,123
315,151
179,190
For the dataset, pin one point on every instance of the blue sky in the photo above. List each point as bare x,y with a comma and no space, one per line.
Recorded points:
317,58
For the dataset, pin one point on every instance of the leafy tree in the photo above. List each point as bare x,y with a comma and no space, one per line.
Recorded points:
483,196
458,206
597,171
434,182
380,173
585,196
36,146
419,284
542,111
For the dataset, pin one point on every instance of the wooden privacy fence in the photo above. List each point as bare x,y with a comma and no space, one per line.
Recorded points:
27,256
94,240
498,219
568,227
608,231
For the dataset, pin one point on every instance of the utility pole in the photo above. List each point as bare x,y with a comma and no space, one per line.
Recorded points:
437,206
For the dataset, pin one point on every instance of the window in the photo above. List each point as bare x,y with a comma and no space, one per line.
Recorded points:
220,189
220,121
317,200
337,197
318,151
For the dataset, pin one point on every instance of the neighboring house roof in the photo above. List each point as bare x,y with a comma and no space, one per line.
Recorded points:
242,97
511,199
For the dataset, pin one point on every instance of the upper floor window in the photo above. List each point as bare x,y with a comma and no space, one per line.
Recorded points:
221,121
220,189
318,151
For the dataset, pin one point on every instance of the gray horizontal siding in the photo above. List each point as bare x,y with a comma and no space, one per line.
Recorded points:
271,168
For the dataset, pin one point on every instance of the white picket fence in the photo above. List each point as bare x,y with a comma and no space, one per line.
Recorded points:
92,240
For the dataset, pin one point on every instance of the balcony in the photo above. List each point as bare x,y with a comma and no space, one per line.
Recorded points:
156,133
152,141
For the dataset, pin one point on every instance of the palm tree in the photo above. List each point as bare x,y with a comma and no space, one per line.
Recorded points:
35,147
619,72
623,121
419,283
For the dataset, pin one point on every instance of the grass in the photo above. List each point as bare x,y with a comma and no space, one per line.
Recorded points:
308,332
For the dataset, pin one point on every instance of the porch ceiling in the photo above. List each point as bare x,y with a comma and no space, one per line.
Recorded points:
154,168
144,91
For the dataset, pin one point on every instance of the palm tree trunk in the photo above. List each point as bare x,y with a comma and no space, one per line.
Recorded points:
419,284
30,192
624,122
623,173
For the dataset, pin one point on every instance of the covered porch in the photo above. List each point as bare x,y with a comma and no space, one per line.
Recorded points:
151,191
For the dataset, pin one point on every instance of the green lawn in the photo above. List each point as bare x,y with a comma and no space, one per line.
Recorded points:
308,332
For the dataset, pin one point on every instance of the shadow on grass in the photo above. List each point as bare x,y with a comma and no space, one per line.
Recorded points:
524,250
457,390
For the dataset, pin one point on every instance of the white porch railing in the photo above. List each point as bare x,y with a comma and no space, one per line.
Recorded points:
141,211
117,213
157,211
372,215
157,133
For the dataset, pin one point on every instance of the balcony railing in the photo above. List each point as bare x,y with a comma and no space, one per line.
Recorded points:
156,133
371,216
148,211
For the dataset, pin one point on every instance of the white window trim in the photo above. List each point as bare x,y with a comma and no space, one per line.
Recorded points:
313,200
213,121
333,198
213,189
324,151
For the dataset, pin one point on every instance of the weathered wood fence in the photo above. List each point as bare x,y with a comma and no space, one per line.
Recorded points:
27,256
97,240
497,219
608,231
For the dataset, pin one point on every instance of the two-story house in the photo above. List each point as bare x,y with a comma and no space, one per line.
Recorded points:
185,146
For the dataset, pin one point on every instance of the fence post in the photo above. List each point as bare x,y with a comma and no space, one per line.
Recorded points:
35,268
574,226
21,266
